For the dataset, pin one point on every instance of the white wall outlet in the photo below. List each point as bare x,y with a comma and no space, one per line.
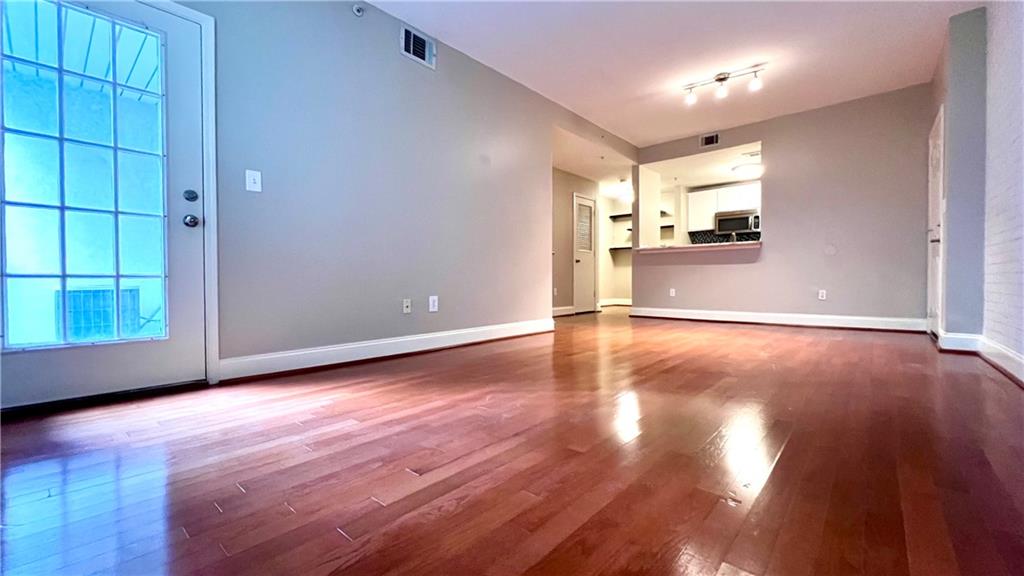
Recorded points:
253,181
822,295
406,306
432,304
556,291
672,292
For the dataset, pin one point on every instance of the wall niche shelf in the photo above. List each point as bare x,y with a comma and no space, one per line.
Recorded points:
629,215
617,248
663,227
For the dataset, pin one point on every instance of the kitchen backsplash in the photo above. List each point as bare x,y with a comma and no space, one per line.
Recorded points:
709,237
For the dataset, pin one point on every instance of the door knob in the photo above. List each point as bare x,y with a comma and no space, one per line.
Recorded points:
190,220
577,260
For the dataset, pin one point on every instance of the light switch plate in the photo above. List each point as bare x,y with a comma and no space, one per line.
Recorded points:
822,295
672,292
253,181
406,306
432,304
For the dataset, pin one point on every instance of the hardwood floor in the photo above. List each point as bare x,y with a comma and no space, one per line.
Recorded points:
613,446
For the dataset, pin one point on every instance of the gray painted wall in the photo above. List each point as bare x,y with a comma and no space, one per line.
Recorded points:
1004,178
564,185
851,176
964,144
382,180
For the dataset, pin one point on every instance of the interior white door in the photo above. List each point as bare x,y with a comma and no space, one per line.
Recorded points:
936,216
102,200
583,276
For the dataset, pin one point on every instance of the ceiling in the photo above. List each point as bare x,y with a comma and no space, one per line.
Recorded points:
621,64
707,168
588,159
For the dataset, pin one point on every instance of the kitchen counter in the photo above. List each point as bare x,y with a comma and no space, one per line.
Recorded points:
710,247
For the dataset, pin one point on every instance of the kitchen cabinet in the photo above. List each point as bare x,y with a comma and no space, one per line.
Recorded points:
741,197
702,205
700,210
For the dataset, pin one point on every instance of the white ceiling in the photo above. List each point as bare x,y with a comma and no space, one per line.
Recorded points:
715,167
588,159
621,64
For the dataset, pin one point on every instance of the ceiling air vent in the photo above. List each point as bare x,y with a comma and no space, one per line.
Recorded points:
418,47
709,140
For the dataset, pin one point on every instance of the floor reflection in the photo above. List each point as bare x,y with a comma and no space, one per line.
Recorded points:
627,416
746,455
91,512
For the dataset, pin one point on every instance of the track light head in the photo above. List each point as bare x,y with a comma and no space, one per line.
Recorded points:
755,83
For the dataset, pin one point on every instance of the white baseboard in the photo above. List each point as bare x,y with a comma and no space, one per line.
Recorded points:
325,355
563,311
615,302
823,320
1009,360
959,341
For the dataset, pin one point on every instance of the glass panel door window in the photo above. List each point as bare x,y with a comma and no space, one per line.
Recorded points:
83,204
584,227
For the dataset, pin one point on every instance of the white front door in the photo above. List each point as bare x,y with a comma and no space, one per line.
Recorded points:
583,277
936,216
103,167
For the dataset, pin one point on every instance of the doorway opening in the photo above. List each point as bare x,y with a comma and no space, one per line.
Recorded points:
592,197
712,197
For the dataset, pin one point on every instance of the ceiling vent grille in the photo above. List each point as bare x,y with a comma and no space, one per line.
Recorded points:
419,47
709,140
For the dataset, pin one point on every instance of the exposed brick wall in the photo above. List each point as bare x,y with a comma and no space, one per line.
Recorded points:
1004,181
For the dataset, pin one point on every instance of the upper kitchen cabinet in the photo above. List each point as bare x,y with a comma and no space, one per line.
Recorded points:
745,196
702,205
701,208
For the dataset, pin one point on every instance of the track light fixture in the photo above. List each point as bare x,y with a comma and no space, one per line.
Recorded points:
720,80
755,83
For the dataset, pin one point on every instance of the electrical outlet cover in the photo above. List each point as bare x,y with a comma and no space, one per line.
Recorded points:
253,181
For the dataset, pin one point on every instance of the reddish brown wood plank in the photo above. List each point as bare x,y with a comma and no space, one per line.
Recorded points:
613,446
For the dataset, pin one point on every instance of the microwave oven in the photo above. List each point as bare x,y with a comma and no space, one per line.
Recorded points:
737,222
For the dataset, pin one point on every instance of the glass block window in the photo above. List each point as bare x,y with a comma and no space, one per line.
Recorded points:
84,220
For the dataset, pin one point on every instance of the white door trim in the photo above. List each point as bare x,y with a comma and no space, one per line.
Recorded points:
207,28
936,294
